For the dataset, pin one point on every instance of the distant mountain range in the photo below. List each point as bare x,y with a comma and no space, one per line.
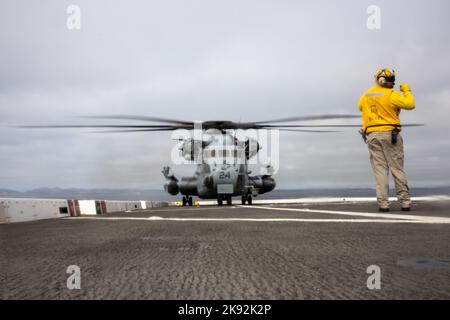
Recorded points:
77,193
160,195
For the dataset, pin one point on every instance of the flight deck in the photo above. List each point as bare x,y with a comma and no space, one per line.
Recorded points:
264,251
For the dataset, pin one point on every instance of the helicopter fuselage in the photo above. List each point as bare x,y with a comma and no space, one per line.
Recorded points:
223,172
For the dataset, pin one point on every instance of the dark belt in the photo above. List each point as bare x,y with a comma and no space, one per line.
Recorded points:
394,132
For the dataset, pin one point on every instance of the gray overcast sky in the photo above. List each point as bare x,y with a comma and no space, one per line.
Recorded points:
200,60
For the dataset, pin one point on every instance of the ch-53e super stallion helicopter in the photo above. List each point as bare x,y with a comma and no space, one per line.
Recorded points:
222,171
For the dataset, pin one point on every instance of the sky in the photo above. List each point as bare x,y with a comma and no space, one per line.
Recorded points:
200,60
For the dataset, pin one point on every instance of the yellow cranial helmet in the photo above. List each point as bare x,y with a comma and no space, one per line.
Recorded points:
385,77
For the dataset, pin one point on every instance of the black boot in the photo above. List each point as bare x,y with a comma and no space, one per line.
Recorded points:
383,209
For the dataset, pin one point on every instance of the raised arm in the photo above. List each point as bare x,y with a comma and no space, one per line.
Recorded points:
404,100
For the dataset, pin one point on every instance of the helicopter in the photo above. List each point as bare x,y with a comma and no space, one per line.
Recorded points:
222,171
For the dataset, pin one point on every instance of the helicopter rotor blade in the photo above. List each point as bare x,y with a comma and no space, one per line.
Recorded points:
310,126
312,131
105,126
136,130
139,118
310,118
325,126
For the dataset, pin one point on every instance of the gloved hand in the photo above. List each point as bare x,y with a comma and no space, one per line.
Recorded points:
405,87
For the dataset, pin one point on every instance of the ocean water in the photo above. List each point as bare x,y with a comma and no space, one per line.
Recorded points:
160,195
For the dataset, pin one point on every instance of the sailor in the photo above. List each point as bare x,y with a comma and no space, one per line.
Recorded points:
380,107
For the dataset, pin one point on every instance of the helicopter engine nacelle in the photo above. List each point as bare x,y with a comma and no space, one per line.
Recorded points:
172,188
268,184
251,148
188,186
263,183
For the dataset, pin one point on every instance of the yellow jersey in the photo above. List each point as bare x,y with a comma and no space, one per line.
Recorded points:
381,105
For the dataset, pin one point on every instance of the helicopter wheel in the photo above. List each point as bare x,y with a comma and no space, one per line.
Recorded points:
220,200
249,199
243,199
229,200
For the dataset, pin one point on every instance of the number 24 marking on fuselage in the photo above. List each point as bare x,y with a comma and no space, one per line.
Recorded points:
224,175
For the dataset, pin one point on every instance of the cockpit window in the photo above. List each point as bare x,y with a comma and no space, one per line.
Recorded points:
225,153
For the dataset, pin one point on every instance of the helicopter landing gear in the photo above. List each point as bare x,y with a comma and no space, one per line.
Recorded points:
187,201
246,198
221,198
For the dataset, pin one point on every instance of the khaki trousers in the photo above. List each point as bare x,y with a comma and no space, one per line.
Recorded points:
385,156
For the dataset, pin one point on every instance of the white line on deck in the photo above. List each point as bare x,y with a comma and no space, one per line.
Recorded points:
392,217
156,218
